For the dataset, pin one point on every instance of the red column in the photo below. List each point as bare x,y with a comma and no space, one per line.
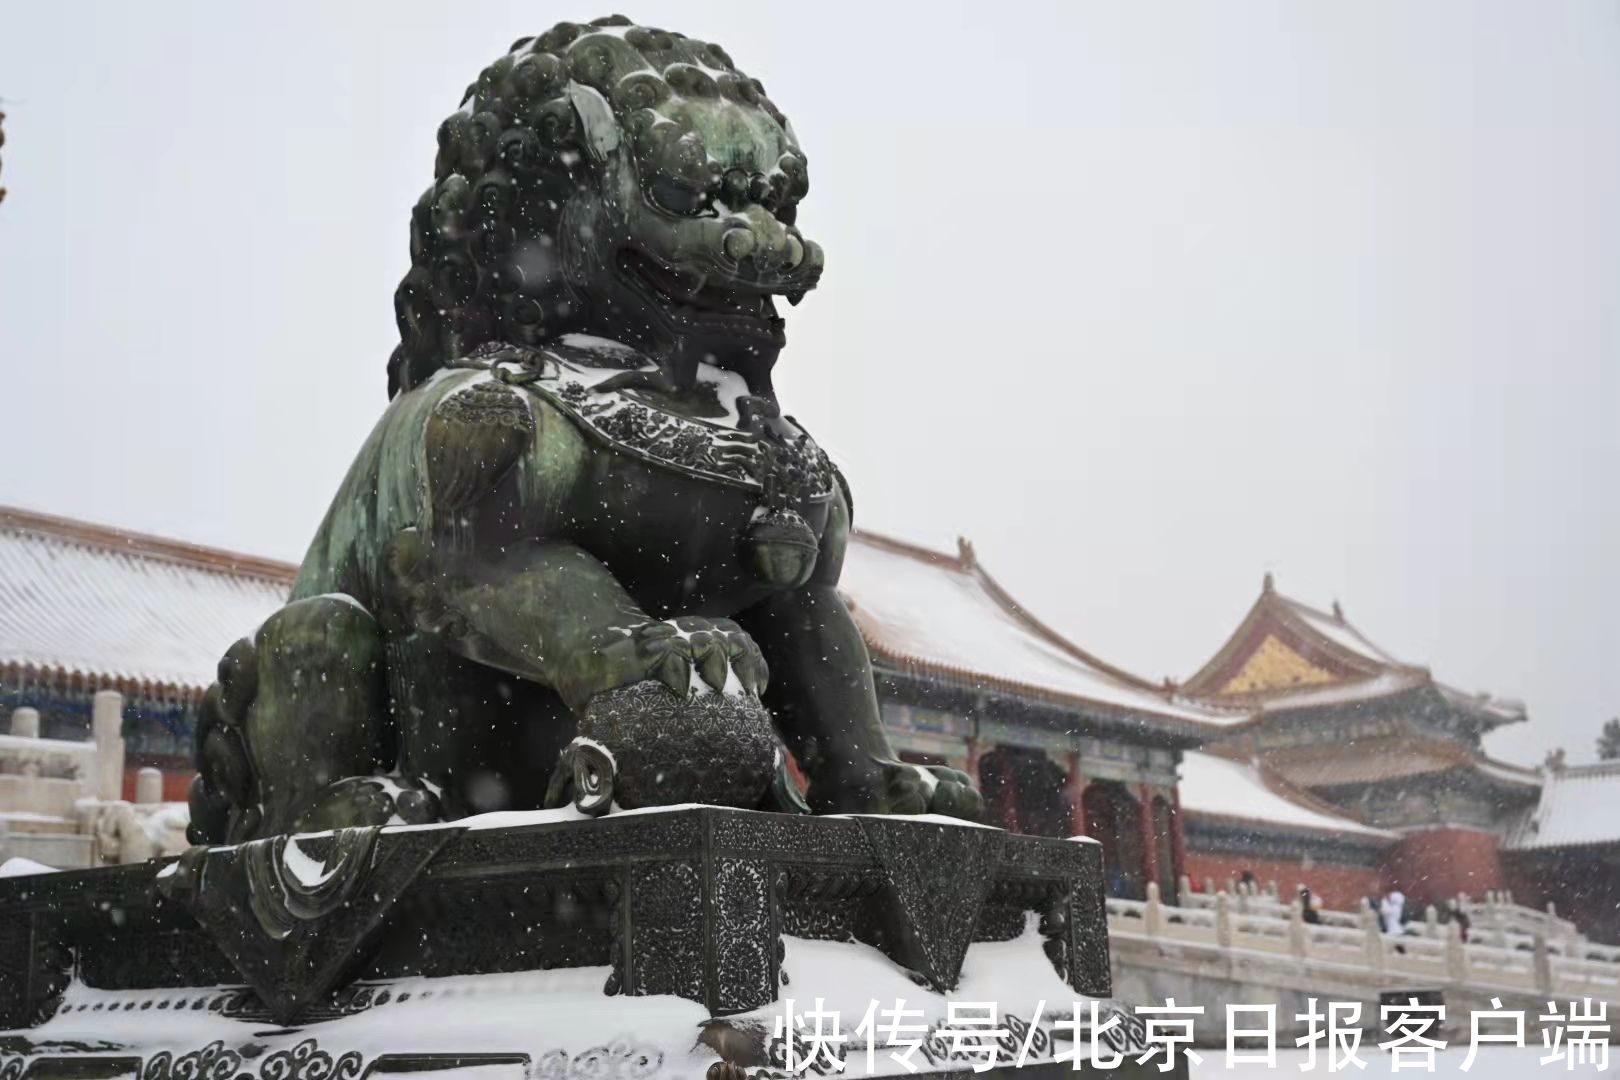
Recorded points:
973,761
1007,803
1077,793
1150,850
1178,842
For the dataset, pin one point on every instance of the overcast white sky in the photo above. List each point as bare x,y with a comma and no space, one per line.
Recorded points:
1147,299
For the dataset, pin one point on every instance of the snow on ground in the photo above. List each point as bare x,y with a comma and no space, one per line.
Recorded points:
849,979
563,1017
1016,975
17,866
555,1016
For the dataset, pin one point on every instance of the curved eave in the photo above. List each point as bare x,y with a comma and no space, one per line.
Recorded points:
78,679
1183,731
1527,785
158,548
1489,714
1380,838
1256,711
1509,774
1005,599
1554,849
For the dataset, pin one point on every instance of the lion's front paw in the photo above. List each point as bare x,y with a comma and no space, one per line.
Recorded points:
717,651
930,789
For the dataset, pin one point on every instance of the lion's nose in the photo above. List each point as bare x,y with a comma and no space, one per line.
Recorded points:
756,235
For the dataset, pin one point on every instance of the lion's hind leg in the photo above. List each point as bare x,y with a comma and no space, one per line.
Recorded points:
298,715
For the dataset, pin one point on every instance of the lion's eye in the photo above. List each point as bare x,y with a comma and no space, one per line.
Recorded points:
676,197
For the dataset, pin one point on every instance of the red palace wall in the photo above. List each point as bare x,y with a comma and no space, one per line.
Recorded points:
1341,888
1432,866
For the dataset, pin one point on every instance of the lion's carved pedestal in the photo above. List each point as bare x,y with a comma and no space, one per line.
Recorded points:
694,903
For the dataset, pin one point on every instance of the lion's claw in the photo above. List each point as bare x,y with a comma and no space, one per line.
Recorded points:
930,789
673,651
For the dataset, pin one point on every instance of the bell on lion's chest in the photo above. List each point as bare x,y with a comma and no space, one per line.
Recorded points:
779,548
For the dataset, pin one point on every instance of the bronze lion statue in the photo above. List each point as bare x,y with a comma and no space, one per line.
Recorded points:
584,557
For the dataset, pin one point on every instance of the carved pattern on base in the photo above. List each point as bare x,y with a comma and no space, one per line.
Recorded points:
692,902
666,928
744,946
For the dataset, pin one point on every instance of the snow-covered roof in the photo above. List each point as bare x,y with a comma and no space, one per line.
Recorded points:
1287,654
1579,806
1384,684
943,614
120,610
1504,710
138,612
1215,786
1372,760
1337,629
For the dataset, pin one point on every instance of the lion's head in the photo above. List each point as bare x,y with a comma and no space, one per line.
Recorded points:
609,179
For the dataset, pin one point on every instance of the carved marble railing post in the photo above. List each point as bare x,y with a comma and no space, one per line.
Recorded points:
25,723
1543,960
1209,886
1372,940
1153,912
1185,884
1223,920
1431,922
107,728
149,786
1456,954
1298,940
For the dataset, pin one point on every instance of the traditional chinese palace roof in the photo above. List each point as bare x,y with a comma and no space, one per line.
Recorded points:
86,605
1579,807
944,616
1331,709
1288,655
1252,794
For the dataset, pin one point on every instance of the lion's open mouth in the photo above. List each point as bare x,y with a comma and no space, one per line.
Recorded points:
694,298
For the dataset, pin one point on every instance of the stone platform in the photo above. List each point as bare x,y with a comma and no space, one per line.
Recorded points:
688,910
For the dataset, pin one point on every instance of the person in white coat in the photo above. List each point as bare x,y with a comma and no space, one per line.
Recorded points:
1392,907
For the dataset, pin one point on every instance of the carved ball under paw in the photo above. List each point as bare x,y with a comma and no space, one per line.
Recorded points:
707,748
725,1070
